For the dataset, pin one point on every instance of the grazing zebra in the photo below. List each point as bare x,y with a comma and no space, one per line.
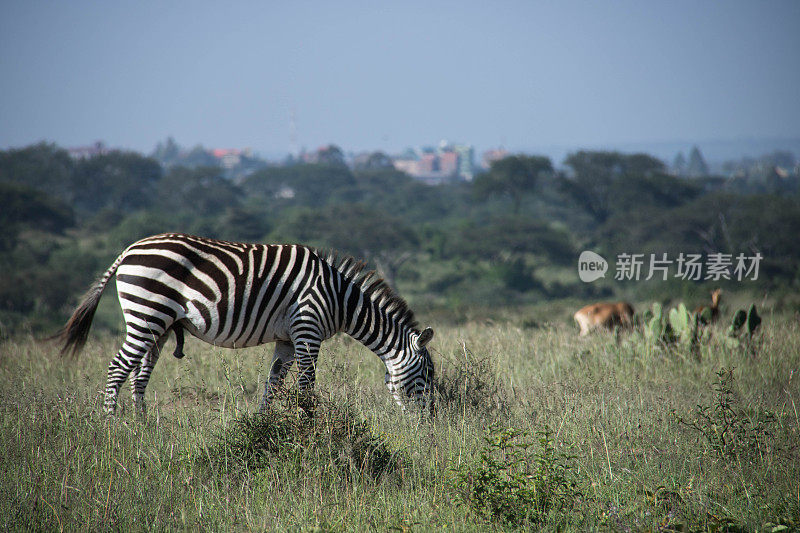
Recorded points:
237,295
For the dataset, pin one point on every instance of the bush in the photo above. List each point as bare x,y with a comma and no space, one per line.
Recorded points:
514,485
728,430
326,439
471,386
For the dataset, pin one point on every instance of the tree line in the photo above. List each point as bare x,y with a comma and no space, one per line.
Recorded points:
510,236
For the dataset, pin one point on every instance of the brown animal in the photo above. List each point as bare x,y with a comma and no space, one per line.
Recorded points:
716,297
606,315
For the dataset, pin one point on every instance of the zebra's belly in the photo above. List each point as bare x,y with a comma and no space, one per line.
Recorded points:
275,330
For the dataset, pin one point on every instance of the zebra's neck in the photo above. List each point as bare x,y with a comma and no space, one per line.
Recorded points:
377,320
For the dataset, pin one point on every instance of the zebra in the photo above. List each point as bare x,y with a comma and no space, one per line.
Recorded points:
238,295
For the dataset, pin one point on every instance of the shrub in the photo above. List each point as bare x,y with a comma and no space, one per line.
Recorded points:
325,439
726,427
471,386
514,484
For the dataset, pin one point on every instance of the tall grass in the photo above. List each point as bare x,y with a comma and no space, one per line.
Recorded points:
200,459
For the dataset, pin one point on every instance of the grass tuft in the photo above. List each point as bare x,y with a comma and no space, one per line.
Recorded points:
330,440
469,383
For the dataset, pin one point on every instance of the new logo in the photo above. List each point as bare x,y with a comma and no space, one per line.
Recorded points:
591,266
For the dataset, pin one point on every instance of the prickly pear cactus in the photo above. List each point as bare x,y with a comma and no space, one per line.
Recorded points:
739,320
743,322
705,317
742,318
753,320
654,323
683,323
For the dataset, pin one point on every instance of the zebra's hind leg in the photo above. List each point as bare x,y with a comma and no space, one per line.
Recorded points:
128,359
282,359
142,375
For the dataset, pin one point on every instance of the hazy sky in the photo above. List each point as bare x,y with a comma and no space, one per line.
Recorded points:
387,75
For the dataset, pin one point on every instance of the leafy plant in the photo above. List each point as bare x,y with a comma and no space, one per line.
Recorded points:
514,484
726,427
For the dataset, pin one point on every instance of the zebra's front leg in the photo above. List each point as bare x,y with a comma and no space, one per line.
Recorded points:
281,361
142,374
306,352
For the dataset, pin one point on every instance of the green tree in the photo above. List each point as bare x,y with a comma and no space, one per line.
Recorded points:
42,166
376,160
393,191
26,207
301,185
354,229
198,156
511,236
202,191
594,173
244,223
331,155
121,181
679,165
632,192
697,167
168,152
716,223
513,176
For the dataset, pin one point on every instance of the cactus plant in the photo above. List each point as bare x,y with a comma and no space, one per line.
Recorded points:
685,324
654,326
739,318
681,321
750,318
753,320
705,316
744,322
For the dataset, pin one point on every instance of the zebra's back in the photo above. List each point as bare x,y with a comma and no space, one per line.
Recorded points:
226,293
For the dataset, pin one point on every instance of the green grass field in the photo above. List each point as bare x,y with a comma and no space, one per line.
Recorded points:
644,437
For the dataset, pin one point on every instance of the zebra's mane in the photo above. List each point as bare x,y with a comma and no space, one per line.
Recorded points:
372,285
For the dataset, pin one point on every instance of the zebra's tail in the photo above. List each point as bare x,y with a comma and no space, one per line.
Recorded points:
75,332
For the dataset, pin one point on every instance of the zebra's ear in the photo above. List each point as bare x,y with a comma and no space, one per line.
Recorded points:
424,338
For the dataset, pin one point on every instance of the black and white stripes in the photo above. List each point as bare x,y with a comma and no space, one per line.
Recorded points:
237,295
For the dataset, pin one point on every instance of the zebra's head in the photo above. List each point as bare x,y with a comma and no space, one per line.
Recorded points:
411,378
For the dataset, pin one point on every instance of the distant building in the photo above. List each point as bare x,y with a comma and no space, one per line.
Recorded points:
227,157
448,163
437,165
409,166
428,164
466,161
